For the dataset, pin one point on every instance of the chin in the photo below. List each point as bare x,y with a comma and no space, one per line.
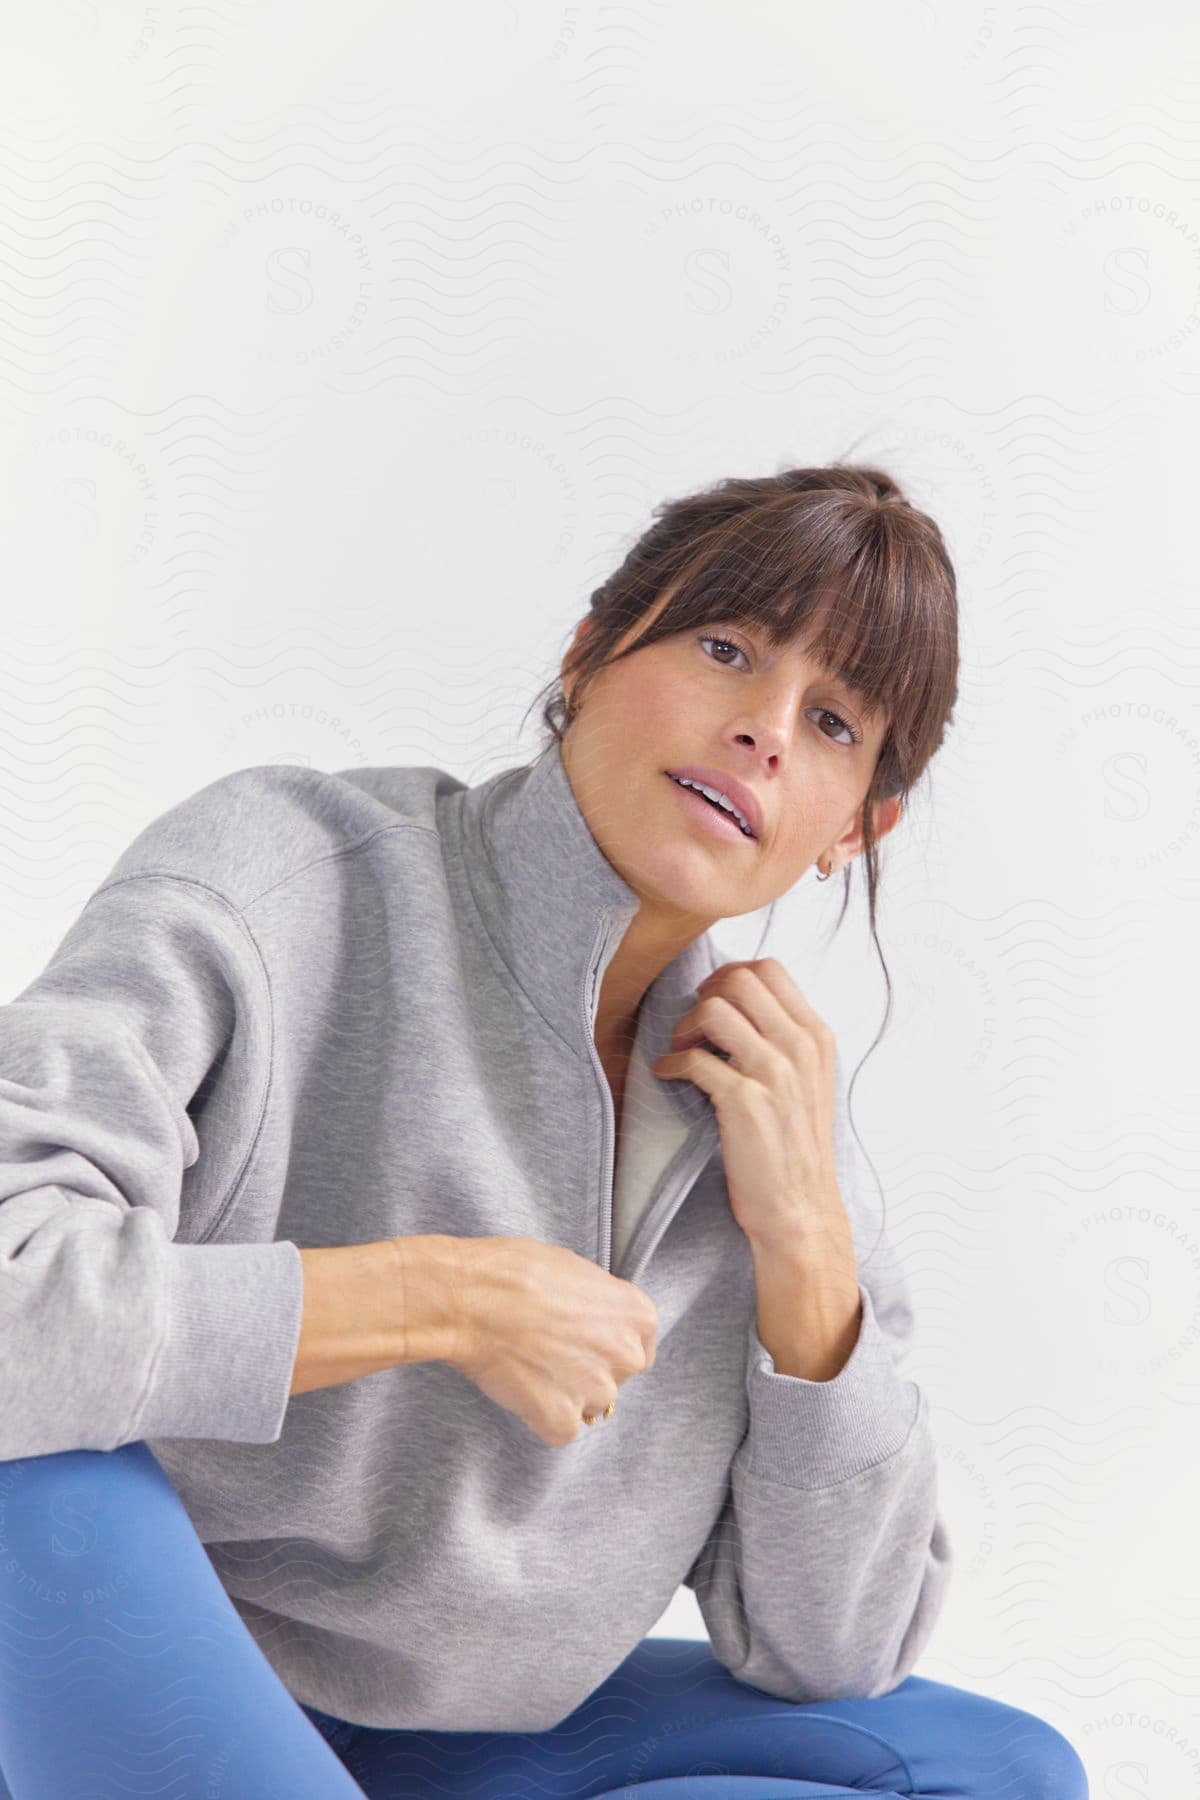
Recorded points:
679,878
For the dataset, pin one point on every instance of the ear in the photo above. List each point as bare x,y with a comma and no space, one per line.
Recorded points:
886,817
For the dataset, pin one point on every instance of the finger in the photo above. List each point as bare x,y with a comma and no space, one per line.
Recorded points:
723,1032
696,1064
778,982
755,1000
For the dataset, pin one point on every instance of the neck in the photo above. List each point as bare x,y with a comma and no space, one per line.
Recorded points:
642,955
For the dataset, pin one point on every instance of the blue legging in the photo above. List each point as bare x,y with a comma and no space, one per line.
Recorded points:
125,1670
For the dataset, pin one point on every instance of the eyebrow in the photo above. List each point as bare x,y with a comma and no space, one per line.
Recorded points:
857,695
849,688
859,698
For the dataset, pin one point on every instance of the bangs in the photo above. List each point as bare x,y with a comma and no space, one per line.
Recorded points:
856,615
835,562
858,635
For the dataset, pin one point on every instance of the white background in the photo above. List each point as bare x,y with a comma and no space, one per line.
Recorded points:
345,350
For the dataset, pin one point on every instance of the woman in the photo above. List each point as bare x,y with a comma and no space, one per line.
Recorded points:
369,1132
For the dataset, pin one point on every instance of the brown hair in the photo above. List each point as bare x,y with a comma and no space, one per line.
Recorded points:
837,558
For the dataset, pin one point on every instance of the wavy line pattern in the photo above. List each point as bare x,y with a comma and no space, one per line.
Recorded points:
338,369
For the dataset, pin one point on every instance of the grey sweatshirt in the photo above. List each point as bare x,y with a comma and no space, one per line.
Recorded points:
310,1009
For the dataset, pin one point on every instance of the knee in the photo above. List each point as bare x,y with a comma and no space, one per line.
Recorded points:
133,1463
1037,1760
121,1486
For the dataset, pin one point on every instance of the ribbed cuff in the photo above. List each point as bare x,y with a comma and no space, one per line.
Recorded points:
224,1367
813,1434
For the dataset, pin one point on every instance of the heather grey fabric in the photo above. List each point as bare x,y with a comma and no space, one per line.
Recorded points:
310,1008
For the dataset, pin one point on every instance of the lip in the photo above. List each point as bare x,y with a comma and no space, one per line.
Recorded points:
741,796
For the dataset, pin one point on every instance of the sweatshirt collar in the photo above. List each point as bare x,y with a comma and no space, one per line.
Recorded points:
545,890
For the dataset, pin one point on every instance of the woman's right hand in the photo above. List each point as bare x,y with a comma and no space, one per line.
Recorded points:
548,1334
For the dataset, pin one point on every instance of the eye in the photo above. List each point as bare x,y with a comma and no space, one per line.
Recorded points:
837,718
723,644
726,643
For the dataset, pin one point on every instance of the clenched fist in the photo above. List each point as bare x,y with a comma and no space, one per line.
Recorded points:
547,1334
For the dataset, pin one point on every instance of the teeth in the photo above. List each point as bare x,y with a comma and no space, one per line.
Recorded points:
715,794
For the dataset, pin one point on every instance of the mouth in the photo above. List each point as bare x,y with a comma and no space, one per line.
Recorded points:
710,814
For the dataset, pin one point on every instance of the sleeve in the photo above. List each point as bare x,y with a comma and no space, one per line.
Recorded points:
827,1567
153,1011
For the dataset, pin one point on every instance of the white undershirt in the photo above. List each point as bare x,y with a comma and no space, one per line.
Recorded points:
652,1132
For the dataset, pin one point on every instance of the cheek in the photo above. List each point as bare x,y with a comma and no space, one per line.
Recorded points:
794,844
654,716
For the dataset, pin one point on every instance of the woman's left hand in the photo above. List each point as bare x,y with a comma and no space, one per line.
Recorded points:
774,1100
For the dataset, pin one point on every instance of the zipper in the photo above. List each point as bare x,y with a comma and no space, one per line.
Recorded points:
691,1157
608,1149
